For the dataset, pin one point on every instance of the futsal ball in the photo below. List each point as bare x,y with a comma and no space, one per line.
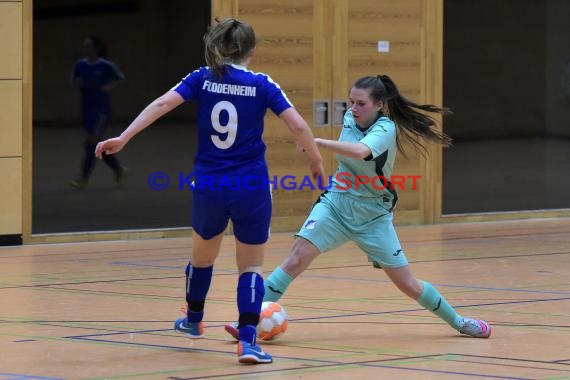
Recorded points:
272,321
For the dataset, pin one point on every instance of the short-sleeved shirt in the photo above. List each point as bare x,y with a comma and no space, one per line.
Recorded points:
380,137
94,76
231,110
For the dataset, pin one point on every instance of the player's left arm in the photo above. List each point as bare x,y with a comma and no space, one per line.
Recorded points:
115,76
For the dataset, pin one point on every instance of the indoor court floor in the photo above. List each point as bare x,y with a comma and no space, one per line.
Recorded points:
105,310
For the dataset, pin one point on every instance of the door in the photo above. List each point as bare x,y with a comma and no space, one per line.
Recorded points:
299,63
315,49
402,40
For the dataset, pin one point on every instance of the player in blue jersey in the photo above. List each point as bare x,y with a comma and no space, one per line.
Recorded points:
357,209
232,102
95,76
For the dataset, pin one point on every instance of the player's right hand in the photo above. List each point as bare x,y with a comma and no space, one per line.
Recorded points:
110,146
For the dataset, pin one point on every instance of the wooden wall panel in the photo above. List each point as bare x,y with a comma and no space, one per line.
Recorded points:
286,53
432,92
11,118
224,8
11,69
11,196
316,50
10,40
27,102
400,23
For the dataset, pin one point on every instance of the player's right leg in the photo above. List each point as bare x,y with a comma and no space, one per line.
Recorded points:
321,232
301,256
251,215
250,291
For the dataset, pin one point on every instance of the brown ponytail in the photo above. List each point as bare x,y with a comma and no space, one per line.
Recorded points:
411,123
229,41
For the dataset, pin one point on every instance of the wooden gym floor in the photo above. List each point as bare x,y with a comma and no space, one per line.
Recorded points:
106,310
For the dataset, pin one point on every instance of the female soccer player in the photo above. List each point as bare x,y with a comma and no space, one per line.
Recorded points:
232,102
95,76
378,117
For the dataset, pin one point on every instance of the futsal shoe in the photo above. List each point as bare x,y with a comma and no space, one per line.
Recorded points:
477,328
252,354
232,329
194,330
79,183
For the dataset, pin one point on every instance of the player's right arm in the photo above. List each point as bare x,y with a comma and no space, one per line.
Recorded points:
305,138
183,91
149,115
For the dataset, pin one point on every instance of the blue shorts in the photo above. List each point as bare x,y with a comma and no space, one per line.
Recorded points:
95,120
338,217
249,211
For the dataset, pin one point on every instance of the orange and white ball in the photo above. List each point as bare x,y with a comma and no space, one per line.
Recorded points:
273,321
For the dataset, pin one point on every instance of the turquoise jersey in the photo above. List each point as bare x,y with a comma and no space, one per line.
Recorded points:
373,172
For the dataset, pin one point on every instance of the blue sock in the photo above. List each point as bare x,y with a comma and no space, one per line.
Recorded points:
276,284
249,298
432,300
197,285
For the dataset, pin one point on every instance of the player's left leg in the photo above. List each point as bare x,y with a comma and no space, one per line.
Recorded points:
379,240
430,298
198,279
209,221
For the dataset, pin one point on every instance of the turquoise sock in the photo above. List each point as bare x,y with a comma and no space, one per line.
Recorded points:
432,300
276,285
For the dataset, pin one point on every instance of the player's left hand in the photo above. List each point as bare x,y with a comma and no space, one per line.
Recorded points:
318,170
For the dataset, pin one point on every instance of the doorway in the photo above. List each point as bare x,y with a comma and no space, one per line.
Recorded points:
154,44
507,79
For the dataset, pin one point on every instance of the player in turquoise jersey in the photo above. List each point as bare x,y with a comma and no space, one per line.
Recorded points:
232,102
353,210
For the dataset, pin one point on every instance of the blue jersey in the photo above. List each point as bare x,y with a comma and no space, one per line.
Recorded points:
231,110
94,76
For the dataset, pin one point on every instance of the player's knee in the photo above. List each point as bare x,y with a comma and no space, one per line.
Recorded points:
292,263
202,262
252,269
298,259
411,287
